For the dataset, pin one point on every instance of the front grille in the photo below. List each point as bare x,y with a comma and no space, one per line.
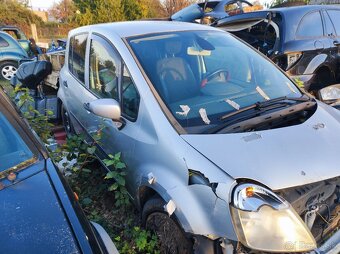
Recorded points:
318,204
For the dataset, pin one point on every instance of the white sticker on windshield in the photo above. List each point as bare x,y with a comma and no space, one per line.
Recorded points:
290,87
185,109
262,93
233,104
204,116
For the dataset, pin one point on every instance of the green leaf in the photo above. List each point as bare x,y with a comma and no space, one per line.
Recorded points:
120,165
113,187
108,162
120,181
117,156
91,150
86,201
111,175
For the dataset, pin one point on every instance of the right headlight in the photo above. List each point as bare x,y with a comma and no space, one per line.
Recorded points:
264,221
330,93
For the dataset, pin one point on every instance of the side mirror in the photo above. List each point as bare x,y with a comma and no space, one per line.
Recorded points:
107,108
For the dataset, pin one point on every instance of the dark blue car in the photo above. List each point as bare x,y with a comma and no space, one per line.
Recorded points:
39,213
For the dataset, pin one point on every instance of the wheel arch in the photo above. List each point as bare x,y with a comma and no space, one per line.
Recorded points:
324,75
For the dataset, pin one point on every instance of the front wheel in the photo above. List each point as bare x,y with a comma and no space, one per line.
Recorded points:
170,235
8,69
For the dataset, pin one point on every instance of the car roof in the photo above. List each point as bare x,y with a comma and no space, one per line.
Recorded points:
303,8
296,12
9,27
134,28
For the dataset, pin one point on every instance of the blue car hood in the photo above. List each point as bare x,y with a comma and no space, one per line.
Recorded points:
282,157
32,219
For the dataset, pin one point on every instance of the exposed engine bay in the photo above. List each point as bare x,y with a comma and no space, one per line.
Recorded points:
318,204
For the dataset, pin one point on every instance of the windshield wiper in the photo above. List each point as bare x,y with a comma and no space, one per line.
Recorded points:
264,104
256,109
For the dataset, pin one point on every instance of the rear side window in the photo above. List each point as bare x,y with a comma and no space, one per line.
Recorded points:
335,16
3,43
310,25
76,60
13,33
329,25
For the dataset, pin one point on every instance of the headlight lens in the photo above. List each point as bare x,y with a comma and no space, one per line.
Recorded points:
264,221
330,93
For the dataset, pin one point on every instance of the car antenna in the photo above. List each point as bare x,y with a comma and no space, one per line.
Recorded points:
204,7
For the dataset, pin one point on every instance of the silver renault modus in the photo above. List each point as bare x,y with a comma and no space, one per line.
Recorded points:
224,153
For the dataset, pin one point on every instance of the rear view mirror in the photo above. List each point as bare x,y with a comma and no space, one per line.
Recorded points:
191,51
107,108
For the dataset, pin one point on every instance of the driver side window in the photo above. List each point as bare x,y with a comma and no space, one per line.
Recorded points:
109,77
104,69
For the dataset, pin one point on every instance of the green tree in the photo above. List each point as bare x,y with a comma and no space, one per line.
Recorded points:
64,11
14,13
132,9
97,11
151,8
109,11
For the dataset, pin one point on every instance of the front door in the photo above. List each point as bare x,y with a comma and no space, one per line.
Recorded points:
108,77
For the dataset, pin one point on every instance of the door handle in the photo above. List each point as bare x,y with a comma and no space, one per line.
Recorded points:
336,43
65,83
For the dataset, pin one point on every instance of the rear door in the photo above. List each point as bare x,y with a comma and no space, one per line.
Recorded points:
312,40
73,79
334,15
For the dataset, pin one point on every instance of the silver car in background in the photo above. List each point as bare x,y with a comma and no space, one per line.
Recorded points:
224,153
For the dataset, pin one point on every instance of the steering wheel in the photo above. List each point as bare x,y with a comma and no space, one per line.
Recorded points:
209,76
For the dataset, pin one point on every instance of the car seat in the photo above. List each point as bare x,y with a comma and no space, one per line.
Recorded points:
177,80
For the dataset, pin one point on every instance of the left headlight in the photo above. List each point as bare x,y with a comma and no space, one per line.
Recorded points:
266,222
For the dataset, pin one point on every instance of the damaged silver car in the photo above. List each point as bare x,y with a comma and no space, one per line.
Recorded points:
224,153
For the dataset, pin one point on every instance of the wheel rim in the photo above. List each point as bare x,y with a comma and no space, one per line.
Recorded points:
8,71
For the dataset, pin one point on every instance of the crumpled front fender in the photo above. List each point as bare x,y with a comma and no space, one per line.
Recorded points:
201,211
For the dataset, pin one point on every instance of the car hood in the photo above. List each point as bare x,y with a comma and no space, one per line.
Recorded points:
279,158
32,217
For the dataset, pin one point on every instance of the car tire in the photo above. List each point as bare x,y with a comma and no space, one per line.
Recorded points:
65,117
8,69
170,235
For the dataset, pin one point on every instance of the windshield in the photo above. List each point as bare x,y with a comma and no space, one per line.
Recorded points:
14,152
203,75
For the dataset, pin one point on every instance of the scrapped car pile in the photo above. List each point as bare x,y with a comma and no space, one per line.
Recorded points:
224,152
